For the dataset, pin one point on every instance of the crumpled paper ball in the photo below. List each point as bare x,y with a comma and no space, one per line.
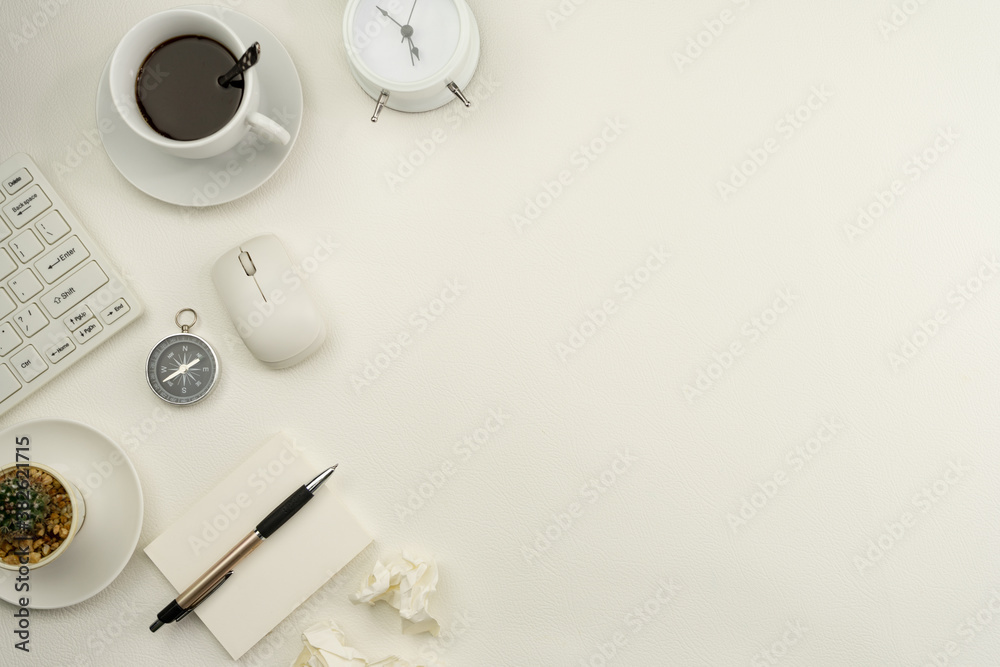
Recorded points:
324,646
407,583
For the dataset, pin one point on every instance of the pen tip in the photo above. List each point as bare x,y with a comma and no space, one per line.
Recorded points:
157,624
320,479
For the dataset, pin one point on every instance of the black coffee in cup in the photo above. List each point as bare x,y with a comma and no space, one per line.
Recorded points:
178,89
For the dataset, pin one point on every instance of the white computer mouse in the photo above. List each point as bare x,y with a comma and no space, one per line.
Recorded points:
268,302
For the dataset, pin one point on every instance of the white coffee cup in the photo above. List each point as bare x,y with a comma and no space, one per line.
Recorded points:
154,30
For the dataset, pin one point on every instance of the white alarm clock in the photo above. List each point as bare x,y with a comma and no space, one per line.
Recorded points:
411,55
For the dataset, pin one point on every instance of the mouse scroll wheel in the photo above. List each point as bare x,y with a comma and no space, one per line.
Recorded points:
247,263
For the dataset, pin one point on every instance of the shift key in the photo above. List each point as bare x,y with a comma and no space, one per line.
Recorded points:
73,290
62,259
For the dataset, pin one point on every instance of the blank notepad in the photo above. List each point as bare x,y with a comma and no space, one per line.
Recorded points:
286,569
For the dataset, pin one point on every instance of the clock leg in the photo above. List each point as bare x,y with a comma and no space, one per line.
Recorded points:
458,93
382,99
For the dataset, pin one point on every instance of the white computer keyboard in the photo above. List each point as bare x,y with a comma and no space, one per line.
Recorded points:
60,296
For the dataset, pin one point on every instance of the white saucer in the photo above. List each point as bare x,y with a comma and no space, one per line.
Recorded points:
110,485
225,177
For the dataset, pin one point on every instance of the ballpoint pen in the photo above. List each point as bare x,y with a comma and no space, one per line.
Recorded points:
217,575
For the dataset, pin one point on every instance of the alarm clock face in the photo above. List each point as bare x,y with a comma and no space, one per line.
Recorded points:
182,369
405,41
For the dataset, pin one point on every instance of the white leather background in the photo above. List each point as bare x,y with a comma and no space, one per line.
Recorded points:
789,580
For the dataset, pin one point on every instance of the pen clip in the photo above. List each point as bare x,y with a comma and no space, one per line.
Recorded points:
205,596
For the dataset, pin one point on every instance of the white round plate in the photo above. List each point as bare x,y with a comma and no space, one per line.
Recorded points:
107,539
233,174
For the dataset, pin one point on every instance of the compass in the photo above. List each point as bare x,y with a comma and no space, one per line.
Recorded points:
182,368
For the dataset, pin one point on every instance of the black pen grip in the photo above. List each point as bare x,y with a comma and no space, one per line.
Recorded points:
284,512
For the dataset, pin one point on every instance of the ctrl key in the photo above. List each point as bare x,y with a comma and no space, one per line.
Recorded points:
8,383
28,364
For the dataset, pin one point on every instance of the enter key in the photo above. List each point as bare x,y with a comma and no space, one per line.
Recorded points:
62,259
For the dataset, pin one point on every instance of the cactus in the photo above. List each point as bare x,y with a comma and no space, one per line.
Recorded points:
21,508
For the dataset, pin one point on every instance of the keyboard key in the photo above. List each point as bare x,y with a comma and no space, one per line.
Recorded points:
89,329
74,289
25,285
63,347
7,265
8,383
4,230
27,206
78,317
30,320
28,364
9,340
66,256
114,311
17,180
26,245
52,227
7,304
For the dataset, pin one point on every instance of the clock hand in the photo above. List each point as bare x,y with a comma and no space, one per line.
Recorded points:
414,51
405,34
386,14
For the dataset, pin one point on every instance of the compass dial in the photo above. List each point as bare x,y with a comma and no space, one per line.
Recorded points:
182,369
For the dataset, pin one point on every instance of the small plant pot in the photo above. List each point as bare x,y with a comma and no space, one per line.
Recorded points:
57,526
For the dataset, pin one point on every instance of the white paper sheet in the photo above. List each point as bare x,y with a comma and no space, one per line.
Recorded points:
284,571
